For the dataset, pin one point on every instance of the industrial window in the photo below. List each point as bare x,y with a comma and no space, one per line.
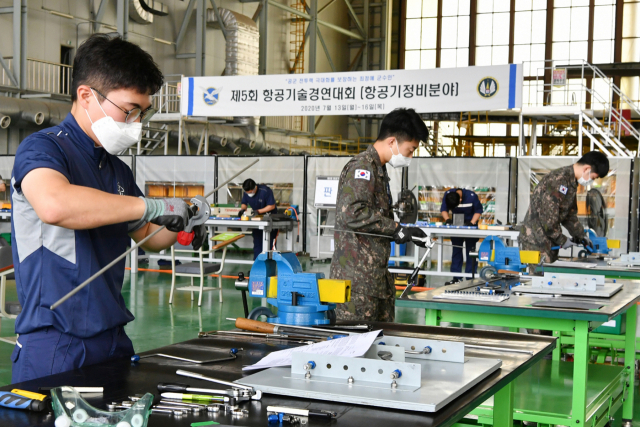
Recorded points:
631,47
492,32
530,21
570,31
422,44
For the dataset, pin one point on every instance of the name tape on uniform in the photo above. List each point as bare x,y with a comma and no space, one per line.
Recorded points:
363,174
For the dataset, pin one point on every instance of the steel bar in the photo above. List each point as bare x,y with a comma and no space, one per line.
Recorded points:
135,247
215,380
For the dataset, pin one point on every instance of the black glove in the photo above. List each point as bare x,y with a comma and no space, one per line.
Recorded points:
404,234
469,224
584,241
449,221
173,213
242,211
199,236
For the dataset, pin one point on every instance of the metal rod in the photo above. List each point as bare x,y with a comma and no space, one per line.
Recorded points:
502,349
215,380
134,247
103,269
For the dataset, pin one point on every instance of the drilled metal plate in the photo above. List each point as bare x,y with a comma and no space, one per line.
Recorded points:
441,382
604,291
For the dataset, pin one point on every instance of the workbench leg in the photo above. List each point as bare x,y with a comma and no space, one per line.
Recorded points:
580,364
440,249
630,361
432,317
503,407
557,352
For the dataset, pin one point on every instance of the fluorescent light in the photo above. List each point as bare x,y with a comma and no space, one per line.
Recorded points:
162,41
63,15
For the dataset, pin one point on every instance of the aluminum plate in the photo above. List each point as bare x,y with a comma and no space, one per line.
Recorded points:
441,383
602,291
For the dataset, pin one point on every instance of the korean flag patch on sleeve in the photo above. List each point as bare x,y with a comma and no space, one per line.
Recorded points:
563,189
363,174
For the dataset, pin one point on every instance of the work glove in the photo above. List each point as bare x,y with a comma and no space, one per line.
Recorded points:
586,242
241,212
200,235
404,234
469,224
568,243
449,221
173,213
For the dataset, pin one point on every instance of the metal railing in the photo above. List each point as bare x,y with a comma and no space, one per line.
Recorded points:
167,99
42,76
574,91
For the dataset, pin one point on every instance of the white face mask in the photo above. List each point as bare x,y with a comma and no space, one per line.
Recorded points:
584,182
251,194
398,160
115,136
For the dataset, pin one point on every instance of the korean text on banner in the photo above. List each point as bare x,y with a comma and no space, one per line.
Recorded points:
364,92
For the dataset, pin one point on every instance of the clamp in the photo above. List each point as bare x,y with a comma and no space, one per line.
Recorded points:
239,392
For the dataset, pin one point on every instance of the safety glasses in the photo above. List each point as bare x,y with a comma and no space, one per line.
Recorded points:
133,114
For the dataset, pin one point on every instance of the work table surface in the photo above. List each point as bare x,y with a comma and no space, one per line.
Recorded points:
122,378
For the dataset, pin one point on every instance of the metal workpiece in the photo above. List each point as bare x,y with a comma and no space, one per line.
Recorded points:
417,348
473,296
167,411
171,408
424,386
183,405
570,284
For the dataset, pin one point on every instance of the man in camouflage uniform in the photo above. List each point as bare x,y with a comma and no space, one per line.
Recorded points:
553,203
364,205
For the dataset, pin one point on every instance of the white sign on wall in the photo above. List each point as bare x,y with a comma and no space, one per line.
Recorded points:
326,191
364,92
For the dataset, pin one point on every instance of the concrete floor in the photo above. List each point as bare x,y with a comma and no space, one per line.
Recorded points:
158,324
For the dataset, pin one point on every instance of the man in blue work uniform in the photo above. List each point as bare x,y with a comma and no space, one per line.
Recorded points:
461,201
75,207
260,198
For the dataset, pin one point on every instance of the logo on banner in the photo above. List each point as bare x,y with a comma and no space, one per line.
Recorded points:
488,87
363,174
210,95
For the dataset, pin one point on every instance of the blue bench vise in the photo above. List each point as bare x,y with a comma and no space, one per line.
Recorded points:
302,299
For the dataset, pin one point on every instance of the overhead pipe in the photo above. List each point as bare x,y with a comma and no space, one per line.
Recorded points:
30,112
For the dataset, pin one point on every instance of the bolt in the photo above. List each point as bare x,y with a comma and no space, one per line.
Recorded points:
309,365
350,380
307,375
396,374
394,384
427,350
167,411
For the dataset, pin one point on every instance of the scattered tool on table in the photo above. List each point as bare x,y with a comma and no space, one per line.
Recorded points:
413,279
293,338
201,210
232,356
238,391
77,389
17,401
276,328
319,413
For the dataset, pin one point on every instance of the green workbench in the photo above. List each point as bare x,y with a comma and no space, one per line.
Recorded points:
596,266
570,394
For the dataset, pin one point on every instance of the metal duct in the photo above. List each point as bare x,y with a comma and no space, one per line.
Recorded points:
142,11
31,112
248,143
241,52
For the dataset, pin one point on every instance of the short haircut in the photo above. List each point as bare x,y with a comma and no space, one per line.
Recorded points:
452,200
109,63
598,161
405,125
248,184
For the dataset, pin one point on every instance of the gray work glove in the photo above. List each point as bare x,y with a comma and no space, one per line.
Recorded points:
173,213
568,243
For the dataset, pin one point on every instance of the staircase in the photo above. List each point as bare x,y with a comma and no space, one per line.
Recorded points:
602,122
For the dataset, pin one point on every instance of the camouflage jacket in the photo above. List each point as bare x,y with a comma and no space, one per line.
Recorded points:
553,203
364,205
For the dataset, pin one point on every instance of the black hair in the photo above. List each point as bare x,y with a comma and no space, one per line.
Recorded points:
109,63
248,184
598,161
405,125
452,200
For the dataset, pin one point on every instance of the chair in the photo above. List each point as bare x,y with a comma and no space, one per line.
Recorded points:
199,269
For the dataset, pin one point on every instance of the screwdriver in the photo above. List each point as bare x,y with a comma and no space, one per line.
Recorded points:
15,401
195,397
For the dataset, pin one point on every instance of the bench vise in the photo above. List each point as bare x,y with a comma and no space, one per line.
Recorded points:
302,299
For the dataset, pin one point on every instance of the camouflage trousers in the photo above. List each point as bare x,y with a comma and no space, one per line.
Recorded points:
367,307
